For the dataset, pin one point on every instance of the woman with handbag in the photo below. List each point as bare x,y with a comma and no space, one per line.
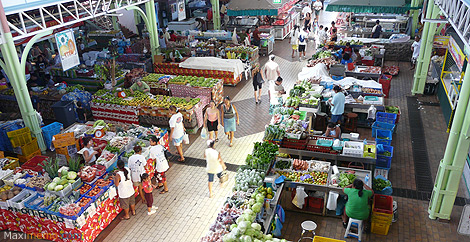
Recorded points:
177,132
257,83
157,153
215,165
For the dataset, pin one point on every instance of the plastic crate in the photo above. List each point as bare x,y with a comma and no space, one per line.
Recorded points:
353,148
315,204
383,142
49,131
63,140
368,62
324,142
15,163
324,239
379,125
386,117
385,149
64,112
398,115
20,137
337,78
382,204
93,198
34,163
294,144
383,162
24,159
380,228
28,202
28,148
18,200
383,134
382,217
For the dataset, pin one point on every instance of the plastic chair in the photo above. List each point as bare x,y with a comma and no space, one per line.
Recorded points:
350,125
308,226
355,224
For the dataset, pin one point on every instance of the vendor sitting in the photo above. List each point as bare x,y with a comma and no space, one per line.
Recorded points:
346,58
141,86
357,206
333,131
348,49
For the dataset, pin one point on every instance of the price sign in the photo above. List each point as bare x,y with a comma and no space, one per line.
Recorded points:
277,1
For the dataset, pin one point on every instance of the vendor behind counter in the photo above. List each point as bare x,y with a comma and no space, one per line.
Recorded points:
141,86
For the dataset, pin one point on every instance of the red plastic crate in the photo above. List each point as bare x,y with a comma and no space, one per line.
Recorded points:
34,163
383,204
368,62
294,143
315,202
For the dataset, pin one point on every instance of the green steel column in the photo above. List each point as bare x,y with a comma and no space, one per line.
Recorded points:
18,82
216,14
115,23
419,75
153,32
428,51
451,166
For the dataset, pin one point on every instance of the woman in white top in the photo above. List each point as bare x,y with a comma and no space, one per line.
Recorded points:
90,153
215,164
294,40
136,164
177,130
125,190
157,152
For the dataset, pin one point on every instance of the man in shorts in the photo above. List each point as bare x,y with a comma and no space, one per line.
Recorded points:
302,43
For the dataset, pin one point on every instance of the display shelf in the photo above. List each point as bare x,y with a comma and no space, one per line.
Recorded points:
333,157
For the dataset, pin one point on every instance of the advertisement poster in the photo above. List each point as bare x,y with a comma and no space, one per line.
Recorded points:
456,53
441,41
67,49
181,10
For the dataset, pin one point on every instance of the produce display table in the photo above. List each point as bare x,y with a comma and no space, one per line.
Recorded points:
215,93
9,104
114,113
52,227
160,116
229,77
91,84
360,72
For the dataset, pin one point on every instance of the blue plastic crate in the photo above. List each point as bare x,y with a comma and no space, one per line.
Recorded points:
383,141
5,143
386,148
28,202
337,78
379,125
49,131
383,134
389,118
383,162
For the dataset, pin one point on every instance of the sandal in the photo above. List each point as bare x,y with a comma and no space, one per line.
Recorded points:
181,160
216,139
231,145
124,218
159,187
163,191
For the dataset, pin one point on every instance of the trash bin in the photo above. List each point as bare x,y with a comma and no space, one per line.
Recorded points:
64,112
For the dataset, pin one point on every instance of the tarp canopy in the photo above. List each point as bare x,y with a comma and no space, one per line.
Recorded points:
370,6
254,7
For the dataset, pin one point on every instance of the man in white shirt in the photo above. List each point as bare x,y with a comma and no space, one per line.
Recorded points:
271,69
415,48
306,9
136,164
321,36
302,43
318,7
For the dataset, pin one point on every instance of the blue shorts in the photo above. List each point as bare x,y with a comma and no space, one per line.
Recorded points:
336,118
211,176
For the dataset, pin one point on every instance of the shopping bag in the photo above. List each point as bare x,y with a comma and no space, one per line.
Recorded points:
186,139
300,195
204,133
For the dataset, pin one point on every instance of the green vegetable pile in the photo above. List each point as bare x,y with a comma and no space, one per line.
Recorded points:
392,109
322,54
283,164
297,91
346,179
382,137
274,132
263,154
387,153
292,102
112,149
380,184
72,88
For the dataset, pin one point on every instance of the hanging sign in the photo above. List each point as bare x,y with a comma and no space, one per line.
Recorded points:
67,49
181,10
441,41
457,53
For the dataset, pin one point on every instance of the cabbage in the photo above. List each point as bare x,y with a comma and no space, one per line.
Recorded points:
236,231
243,226
276,240
63,181
56,180
250,232
72,175
245,238
64,172
71,181
256,226
229,238
257,240
51,186
267,236
249,212
257,207
233,226
58,188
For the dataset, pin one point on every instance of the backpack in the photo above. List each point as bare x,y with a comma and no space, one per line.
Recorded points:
301,38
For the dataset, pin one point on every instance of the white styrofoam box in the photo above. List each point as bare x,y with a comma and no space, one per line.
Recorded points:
85,56
353,148
381,172
18,200
103,54
93,55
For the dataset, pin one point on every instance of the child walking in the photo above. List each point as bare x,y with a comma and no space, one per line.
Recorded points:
148,187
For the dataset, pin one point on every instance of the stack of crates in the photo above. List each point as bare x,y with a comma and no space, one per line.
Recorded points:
49,131
6,127
382,214
65,146
24,144
384,158
384,126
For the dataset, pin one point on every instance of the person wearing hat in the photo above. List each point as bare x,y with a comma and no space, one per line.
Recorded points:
215,164
141,86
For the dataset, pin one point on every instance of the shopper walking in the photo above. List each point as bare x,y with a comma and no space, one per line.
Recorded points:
294,40
271,69
258,81
275,92
308,22
415,48
322,36
125,190
376,30
303,35
337,105
136,164
177,130
211,120
215,164
157,153
230,120
317,6
148,188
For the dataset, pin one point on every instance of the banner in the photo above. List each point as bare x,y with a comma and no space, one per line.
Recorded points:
441,41
457,53
67,49
181,10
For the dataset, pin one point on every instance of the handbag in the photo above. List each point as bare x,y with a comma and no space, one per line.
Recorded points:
223,177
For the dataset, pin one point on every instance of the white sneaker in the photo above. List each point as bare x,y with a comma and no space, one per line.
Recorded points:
154,207
151,212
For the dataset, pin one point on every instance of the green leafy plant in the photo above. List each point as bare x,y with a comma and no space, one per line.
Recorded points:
51,166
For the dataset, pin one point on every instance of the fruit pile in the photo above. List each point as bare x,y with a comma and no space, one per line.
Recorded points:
267,192
194,81
313,177
152,77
